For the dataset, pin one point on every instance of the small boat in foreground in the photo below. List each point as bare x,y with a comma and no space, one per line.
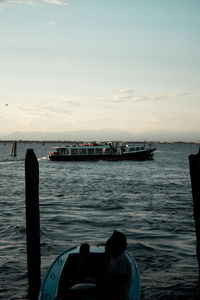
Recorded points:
63,270
102,151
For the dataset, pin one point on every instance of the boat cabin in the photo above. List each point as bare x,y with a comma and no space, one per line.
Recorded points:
83,150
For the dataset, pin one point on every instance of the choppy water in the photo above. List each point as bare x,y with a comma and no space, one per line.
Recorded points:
150,201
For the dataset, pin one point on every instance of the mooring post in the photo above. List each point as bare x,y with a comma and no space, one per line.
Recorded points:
194,160
32,223
15,148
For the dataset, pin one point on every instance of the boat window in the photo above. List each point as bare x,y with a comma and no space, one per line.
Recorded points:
74,151
91,151
137,148
142,148
83,151
98,150
63,151
132,149
57,150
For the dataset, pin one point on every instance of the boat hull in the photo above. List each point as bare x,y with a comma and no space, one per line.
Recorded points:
136,156
50,285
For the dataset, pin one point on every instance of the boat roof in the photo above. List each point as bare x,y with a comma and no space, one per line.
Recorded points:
82,146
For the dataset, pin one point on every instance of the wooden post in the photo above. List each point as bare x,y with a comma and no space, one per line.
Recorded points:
32,223
195,183
15,148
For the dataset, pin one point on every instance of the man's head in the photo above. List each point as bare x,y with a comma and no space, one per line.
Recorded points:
116,244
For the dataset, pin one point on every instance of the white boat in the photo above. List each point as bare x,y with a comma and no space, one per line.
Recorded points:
60,272
101,151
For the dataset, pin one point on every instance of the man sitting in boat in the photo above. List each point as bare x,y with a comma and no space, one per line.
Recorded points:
78,267
116,280
118,272
82,262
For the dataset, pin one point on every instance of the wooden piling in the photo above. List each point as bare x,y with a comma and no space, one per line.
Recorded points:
194,161
32,223
13,149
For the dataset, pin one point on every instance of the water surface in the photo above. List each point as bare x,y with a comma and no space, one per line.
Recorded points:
150,201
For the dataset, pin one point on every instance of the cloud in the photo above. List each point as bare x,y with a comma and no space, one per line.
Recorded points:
31,2
58,113
180,94
58,2
50,23
64,61
130,96
39,109
57,110
63,105
68,101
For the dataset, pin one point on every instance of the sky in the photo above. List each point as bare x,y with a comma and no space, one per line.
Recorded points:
69,65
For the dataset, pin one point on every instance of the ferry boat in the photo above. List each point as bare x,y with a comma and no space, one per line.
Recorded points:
111,151
57,283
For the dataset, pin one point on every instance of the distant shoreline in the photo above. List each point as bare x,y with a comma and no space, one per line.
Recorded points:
79,141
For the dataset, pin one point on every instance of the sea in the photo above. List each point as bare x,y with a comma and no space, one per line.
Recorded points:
150,201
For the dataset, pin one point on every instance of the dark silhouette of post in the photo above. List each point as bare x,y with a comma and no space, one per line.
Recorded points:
32,223
194,160
13,149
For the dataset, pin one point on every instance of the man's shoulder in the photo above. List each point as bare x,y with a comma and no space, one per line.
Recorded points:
128,258
124,260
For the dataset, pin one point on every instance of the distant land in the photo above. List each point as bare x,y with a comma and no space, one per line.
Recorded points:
104,135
